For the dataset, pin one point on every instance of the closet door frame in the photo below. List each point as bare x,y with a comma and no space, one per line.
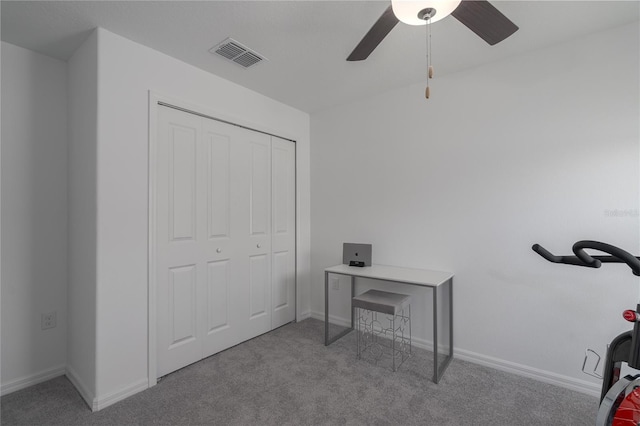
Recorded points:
155,100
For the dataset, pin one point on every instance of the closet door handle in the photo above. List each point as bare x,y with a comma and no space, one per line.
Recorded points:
259,245
218,250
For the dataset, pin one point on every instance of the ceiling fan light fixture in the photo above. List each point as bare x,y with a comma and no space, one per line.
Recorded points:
409,11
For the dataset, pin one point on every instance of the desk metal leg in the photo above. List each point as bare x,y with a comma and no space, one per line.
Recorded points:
436,377
353,287
437,370
327,340
326,308
451,317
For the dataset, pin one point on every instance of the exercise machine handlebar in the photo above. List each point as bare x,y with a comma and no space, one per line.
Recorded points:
582,258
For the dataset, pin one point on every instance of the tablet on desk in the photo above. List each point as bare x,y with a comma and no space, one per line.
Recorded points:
354,254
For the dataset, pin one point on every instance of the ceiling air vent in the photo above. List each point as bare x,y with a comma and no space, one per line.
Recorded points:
236,52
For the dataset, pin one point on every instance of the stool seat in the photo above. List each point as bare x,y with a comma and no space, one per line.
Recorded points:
381,301
372,334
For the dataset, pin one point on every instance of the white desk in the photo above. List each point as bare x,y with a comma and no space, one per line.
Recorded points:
419,277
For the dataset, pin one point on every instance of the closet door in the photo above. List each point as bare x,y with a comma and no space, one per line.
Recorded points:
238,284
179,244
225,288
283,154
257,235
221,191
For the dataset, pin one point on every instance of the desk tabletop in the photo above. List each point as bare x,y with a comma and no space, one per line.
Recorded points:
423,277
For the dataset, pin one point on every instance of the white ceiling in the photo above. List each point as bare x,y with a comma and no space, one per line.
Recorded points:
306,42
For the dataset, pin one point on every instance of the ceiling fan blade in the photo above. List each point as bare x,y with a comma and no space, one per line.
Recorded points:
485,20
376,34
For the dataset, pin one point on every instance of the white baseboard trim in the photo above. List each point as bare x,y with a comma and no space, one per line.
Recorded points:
127,391
304,315
556,379
560,380
318,315
82,389
332,319
98,403
32,379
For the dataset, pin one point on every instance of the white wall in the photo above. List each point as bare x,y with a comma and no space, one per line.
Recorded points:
541,148
127,71
34,216
82,184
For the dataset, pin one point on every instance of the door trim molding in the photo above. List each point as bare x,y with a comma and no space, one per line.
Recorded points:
155,100
199,114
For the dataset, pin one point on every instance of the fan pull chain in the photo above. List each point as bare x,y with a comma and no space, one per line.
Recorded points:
427,92
430,53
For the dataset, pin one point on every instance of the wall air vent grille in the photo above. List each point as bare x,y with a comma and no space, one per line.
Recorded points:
236,52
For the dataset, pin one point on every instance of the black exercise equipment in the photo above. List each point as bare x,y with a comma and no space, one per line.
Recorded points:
624,348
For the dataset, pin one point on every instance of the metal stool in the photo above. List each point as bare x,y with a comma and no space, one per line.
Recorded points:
373,337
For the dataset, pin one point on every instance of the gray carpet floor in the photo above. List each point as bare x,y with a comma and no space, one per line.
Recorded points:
288,377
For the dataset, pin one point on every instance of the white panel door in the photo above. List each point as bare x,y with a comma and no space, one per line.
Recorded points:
223,223
178,249
238,206
258,316
283,280
221,192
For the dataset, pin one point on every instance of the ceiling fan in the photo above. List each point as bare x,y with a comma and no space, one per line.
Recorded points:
479,16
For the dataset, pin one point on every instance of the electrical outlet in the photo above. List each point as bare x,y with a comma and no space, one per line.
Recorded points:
335,283
49,320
